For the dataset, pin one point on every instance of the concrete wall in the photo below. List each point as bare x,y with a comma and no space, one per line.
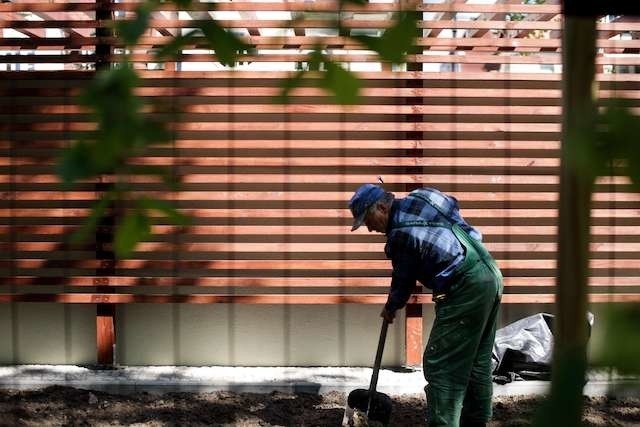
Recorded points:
253,335
222,334
42,333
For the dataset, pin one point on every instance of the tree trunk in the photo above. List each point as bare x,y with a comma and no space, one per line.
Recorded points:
578,129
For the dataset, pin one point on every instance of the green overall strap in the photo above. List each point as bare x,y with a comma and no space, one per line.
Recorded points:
468,241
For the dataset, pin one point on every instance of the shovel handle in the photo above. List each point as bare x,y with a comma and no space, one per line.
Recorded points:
378,361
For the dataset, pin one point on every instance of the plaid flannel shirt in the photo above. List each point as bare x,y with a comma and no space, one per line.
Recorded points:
423,253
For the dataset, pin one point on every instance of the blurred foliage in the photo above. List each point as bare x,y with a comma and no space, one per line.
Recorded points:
357,2
228,46
600,139
617,146
621,349
341,83
124,131
618,349
393,44
613,149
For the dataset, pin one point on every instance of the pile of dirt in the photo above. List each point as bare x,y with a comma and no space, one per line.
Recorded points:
66,406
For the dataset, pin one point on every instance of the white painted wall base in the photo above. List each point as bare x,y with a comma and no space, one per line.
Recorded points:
218,334
35,333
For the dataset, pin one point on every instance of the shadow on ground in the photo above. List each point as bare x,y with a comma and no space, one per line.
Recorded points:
58,406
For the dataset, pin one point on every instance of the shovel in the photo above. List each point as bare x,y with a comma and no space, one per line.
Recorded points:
377,406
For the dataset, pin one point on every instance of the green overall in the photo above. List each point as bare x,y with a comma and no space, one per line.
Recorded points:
457,359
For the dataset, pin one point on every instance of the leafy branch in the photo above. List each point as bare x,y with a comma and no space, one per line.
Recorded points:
124,132
613,150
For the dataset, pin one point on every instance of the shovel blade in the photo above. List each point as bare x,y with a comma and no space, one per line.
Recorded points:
380,404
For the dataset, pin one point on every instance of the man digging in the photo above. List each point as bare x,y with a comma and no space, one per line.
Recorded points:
429,241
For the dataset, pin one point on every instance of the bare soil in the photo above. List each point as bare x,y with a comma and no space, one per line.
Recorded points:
66,406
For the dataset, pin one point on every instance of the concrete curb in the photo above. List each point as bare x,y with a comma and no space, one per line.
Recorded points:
163,379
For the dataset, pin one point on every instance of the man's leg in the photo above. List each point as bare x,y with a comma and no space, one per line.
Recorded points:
445,395
451,351
476,409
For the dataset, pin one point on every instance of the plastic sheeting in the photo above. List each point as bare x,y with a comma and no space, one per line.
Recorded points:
524,349
526,344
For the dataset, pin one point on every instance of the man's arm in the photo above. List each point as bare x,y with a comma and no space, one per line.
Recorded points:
403,280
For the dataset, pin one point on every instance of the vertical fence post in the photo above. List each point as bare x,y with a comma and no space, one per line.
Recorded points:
105,312
413,312
413,335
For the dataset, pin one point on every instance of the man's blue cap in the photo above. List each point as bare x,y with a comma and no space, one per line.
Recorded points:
362,200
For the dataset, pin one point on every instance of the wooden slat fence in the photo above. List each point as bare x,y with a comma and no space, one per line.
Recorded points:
476,112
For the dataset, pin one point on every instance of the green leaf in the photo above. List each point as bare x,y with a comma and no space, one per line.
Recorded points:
288,85
135,227
123,131
396,41
226,44
399,39
172,50
586,156
166,208
343,84
115,108
110,93
75,163
315,59
357,2
620,348
152,132
91,222
131,30
618,136
163,172
370,42
182,3
633,168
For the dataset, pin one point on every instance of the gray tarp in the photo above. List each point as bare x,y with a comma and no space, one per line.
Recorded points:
530,337
524,349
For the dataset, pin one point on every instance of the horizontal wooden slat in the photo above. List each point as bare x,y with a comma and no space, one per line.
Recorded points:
326,281
476,58
319,6
281,194
296,264
278,299
25,217
506,229
303,42
71,79
320,23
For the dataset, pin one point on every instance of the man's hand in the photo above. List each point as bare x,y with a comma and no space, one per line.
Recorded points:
388,315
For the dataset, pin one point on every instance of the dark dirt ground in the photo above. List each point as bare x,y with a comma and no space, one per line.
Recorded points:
66,406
